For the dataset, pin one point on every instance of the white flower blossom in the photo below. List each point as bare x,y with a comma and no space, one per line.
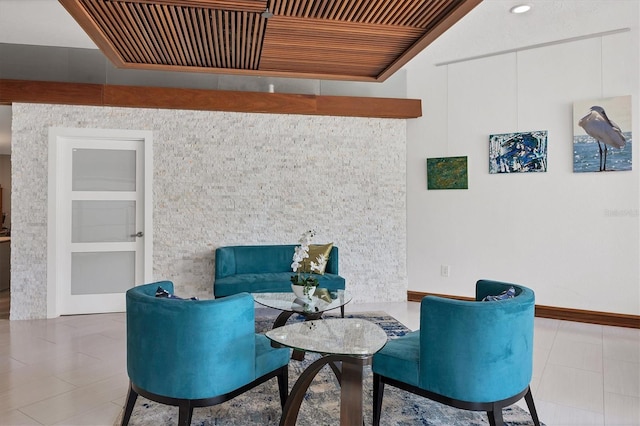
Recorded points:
305,239
300,254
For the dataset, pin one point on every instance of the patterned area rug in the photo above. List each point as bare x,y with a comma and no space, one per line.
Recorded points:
261,405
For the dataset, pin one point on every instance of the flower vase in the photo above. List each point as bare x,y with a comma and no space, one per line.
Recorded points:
298,290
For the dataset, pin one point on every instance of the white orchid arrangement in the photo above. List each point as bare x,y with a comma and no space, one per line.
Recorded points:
300,254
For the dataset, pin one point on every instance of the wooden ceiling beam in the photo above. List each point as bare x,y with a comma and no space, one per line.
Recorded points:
46,92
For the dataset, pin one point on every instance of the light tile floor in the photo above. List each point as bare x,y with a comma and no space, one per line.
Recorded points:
72,370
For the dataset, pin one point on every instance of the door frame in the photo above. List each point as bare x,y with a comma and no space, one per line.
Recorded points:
54,181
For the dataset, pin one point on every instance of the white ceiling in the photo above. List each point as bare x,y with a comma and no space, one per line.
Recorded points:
40,23
489,28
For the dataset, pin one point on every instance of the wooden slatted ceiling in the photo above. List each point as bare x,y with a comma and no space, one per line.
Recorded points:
334,45
416,14
333,39
161,34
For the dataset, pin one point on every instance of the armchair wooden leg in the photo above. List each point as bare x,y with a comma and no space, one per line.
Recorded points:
283,384
528,397
378,391
185,412
495,417
131,402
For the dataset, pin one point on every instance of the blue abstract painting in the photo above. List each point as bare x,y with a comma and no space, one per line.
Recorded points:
518,152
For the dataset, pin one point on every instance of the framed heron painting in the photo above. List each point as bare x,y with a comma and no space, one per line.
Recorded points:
602,135
447,173
518,152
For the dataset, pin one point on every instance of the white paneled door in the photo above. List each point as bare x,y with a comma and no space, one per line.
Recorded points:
101,231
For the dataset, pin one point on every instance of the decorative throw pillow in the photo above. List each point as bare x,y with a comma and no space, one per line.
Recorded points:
316,250
507,294
161,292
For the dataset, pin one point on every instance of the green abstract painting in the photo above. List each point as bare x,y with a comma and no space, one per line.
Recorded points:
447,173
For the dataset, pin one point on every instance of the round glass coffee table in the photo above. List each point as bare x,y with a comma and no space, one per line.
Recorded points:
311,309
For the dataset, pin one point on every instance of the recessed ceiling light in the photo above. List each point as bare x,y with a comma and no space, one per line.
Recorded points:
521,8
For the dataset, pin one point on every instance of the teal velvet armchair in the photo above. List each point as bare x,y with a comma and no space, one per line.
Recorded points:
472,355
196,353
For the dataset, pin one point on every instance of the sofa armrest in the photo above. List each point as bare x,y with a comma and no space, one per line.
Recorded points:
332,264
225,262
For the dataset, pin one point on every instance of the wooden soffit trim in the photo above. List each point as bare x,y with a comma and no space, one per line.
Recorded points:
205,100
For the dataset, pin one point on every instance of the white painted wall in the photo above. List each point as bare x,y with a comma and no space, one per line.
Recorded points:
573,238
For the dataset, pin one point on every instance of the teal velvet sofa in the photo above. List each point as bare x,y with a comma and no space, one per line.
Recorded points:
473,355
265,268
196,353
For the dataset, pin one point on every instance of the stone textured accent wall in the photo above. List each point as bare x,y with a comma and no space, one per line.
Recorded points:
231,179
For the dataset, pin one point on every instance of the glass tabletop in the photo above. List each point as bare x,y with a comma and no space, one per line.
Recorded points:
290,303
341,336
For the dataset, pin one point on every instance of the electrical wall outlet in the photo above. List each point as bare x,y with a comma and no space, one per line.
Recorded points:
445,270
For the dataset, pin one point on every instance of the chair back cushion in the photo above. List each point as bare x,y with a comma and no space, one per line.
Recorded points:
189,349
477,351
